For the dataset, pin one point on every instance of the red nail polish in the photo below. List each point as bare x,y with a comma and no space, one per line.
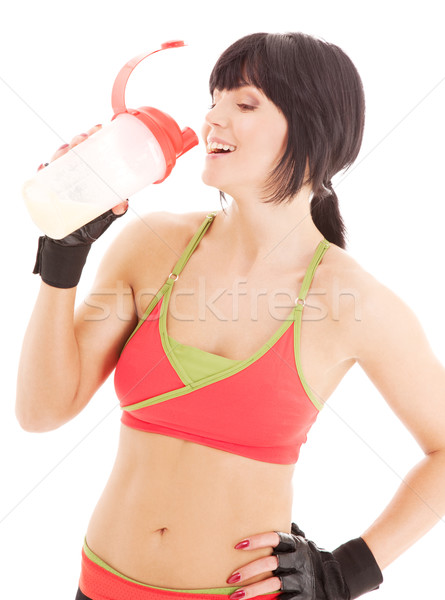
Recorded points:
84,134
63,146
234,578
242,544
237,595
98,125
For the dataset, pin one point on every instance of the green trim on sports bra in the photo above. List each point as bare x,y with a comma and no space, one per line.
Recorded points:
206,372
176,270
319,253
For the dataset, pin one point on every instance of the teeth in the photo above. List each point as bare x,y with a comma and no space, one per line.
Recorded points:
216,146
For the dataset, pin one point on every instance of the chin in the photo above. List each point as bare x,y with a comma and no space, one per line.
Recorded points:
212,181
219,188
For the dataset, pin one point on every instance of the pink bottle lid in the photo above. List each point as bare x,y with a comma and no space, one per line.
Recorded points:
174,142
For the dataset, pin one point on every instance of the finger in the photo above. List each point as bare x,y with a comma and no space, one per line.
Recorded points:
94,129
78,139
267,586
259,540
121,208
60,151
81,137
261,566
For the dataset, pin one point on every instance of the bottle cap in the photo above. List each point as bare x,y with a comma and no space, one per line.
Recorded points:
174,142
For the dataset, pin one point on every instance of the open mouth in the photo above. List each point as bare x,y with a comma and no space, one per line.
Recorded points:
216,148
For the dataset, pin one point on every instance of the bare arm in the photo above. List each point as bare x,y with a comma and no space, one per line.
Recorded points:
67,355
394,352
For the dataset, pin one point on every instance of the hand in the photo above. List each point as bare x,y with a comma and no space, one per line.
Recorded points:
305,572
256,567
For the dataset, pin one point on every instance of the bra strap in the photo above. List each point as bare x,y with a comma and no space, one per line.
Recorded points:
309,275
190,248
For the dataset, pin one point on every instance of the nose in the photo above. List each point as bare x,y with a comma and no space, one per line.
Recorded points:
215,119
217,116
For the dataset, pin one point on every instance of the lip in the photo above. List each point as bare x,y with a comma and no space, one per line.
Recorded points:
217,155
219,141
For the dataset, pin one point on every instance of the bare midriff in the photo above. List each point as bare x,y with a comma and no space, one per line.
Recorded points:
172,511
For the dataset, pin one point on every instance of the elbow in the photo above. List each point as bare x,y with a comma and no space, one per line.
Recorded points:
37,426
44,410
35,421
32,425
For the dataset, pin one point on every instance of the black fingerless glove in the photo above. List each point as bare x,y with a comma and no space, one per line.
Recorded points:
311,573
60,262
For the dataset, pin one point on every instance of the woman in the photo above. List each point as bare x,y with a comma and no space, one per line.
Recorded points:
217,396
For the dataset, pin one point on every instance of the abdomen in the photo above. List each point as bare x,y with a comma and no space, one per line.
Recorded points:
173,510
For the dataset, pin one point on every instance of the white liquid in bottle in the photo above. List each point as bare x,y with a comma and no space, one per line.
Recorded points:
114,163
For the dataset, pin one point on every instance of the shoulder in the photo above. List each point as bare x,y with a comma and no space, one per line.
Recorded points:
155,235
145,250
346,276
154,226
371,313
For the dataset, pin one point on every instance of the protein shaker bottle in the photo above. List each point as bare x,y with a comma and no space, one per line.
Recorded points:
137,148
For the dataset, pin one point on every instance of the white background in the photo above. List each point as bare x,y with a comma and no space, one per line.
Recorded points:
58,62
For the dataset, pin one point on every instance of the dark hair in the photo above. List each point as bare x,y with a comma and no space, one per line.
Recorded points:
318,89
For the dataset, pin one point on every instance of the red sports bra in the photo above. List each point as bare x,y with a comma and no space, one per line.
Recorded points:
261,408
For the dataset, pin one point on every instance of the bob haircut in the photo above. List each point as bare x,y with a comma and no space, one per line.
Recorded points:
319,91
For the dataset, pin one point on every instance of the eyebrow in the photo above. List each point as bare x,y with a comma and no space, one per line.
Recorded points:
251,91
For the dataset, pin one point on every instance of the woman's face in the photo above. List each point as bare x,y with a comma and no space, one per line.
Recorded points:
243,118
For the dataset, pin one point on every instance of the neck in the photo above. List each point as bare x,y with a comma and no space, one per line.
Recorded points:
259,235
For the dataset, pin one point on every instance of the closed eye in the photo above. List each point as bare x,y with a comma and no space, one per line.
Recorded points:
241,106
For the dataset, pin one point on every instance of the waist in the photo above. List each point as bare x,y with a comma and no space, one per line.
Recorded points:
98,580
196,554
